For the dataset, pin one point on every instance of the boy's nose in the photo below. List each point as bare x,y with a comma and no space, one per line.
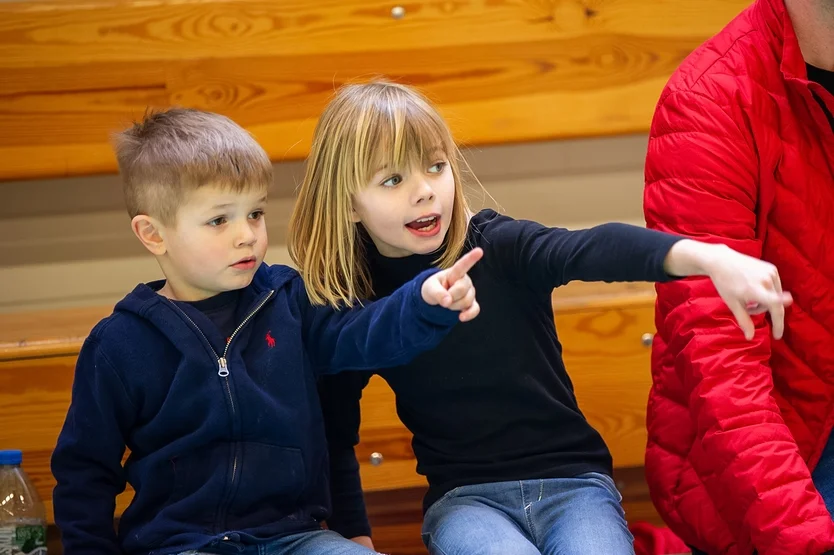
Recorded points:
246,237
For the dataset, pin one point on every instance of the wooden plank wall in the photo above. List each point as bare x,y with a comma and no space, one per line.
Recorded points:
503,70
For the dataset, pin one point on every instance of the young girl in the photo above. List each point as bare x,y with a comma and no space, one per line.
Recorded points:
513,466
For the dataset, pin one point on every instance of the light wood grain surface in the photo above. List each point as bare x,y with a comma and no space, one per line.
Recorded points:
502,71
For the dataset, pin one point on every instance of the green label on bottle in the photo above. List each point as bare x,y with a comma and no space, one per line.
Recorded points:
23,540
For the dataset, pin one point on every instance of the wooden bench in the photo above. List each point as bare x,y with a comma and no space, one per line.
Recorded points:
74,71
605,329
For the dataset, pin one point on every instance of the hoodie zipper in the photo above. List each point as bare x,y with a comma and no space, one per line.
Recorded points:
222,365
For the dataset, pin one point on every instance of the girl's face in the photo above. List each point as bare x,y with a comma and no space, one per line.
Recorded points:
408,213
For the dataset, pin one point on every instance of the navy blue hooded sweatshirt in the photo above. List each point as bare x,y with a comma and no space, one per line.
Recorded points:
223,437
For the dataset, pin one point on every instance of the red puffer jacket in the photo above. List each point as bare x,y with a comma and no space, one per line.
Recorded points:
741,152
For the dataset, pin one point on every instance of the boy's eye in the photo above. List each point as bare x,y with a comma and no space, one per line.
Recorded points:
392,181
438,167
217,221
257,214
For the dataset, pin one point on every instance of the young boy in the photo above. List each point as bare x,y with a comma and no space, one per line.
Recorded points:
208,377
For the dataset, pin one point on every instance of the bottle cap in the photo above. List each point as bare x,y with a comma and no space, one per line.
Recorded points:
11,457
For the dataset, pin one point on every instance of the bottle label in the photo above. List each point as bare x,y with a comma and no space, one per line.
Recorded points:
23,540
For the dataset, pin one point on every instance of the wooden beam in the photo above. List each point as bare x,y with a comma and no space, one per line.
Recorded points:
501,70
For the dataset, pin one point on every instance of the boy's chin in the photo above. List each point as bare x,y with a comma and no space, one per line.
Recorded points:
240,282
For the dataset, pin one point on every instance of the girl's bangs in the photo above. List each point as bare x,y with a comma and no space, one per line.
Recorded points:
403,137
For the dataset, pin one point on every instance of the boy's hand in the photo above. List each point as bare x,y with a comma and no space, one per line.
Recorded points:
453,289
748,285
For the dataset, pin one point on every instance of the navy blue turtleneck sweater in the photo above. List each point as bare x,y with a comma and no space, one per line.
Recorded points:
493,401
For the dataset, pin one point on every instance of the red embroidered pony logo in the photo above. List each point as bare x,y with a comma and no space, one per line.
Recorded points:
270,341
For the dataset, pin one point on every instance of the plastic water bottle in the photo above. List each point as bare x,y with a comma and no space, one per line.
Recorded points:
22,514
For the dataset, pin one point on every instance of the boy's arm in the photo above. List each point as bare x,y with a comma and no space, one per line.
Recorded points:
340,395
702,180
395,329
87,460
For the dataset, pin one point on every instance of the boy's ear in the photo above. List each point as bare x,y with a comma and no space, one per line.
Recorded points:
149,232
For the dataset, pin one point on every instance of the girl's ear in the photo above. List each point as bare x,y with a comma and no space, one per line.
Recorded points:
354,215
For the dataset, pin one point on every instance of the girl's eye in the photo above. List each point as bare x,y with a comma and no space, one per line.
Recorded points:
392,181
217,221
438,167
257,214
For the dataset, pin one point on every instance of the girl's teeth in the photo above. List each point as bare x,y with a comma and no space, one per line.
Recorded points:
424,224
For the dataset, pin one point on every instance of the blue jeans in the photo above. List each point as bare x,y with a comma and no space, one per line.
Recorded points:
575,516
823,475
318,542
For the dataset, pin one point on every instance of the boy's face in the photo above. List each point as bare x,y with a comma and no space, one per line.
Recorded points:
216,244
408,213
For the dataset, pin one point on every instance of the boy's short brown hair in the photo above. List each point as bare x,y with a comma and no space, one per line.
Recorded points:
172,152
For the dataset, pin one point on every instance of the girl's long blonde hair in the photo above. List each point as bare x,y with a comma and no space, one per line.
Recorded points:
365,126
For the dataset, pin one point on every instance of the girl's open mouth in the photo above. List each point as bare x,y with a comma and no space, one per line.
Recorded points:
426,226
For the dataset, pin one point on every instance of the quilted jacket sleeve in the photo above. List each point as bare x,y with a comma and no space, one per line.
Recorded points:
701,181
